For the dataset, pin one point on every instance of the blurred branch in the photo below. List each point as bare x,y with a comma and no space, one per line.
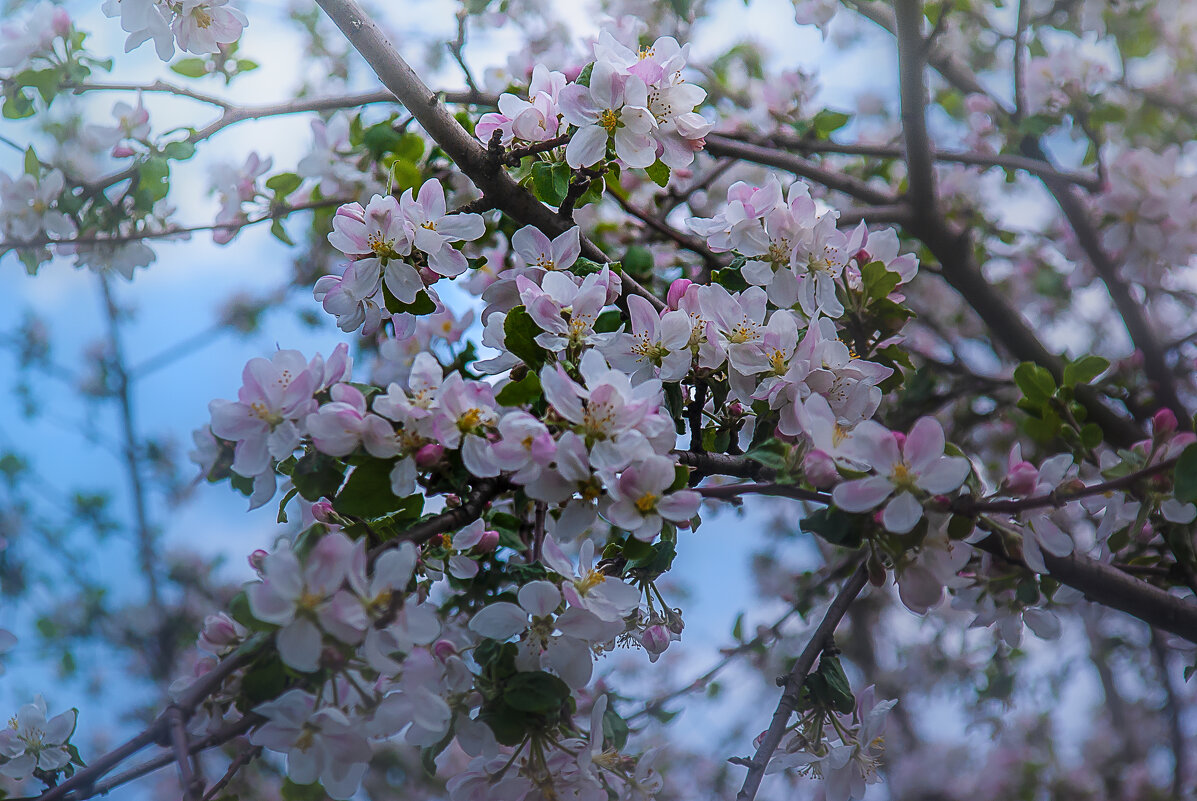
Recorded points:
792,683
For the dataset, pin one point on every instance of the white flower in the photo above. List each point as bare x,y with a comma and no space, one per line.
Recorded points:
31,742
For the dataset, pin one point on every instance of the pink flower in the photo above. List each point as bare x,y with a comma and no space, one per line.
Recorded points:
613,108
641,498
918,464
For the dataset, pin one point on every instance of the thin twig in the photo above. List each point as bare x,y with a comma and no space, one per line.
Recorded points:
797,675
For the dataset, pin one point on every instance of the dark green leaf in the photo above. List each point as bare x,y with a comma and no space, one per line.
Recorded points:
317,476
658,171
1186,475
1036,382
367,492
519,336
537,692
1084,370
522,392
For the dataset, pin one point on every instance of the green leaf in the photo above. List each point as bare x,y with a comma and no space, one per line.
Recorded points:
519,336
179,151
550,182
584,76
827,122
1185,487
190,67
1091,435
46,81
608,321
410,147
280,233
381,138
878,282
1036,382
367,492
422,305
32,165
537,692
17,106
658,171
839,696
317,476
835,526
284,183
522,392
1084,370
615,728
771,453
282,505
638,260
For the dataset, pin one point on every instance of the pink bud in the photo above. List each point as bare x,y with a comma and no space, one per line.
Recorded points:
122,152
489,541
899,438
452,500
219,630
614,288
819,469
256,558
655,639
1021,479
429,276
863,256
428,455
322,510
736,409
332,658
676,290
61,22
1164,423
203,666
443,650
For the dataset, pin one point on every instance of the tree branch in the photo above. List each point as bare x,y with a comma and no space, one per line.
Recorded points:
793,682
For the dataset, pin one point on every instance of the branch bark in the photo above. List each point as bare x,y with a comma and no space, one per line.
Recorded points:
793,682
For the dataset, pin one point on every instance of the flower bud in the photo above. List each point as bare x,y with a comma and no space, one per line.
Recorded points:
219,631
61,22
819,469
443,650
899,438
429,276
655,639
1021,479
256,558
862,256
332,658
1164,423
488,542
122,152
676,290
735,409
428,455
452,500
322,510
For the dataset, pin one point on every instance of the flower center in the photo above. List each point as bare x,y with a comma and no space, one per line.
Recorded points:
647,503
592,579
202,18
900,476
469,420
609,120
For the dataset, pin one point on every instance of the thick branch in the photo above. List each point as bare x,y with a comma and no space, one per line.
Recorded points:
913,91
793,682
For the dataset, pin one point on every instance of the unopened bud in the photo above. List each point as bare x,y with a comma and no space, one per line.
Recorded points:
676,290
655,639
443,650
488,542
899,438
122,152
61,22
819,469
1164,423
219,631
428,455
429,276
1021,479
322,510
863,256
332,658
736,409
257,558
452,500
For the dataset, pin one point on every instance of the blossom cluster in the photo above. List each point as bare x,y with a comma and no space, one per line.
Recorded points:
633,102
197,26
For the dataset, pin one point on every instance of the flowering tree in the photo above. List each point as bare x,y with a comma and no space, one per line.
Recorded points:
692,287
